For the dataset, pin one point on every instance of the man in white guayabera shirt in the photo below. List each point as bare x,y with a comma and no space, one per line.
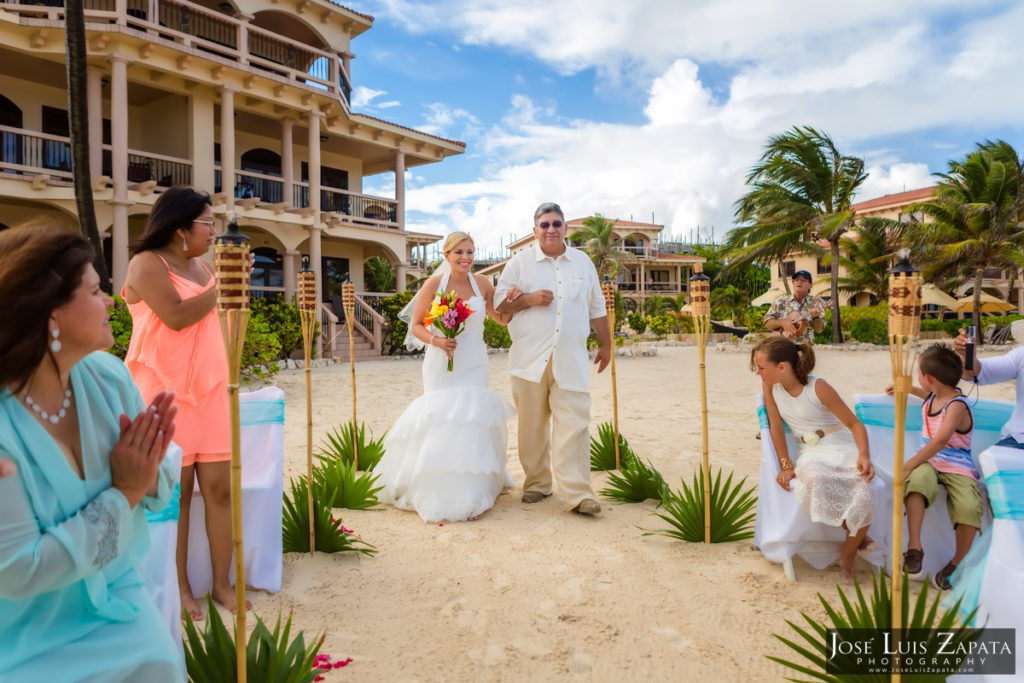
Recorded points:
561,300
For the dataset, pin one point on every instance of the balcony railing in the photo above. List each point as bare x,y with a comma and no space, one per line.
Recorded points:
31,153
145,166
359,208
193,25
268,188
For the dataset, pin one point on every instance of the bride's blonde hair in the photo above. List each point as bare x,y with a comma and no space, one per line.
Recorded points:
454,239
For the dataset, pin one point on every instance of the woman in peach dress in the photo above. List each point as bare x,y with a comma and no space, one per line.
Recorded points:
177,346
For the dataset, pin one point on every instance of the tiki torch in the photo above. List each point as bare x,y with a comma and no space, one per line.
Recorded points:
904,329
608,289
307,316
348,302
700,303
231,262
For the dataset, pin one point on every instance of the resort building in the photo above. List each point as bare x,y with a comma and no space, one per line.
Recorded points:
248,100
651,267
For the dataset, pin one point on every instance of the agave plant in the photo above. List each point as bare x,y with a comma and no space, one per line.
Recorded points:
602,449
875,614
732,511
349,489
339,445
636,483
270,655
331,537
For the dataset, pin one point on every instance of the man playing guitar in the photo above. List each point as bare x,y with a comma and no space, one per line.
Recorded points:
800,315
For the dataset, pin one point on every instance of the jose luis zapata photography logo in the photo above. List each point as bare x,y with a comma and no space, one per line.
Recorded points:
921,651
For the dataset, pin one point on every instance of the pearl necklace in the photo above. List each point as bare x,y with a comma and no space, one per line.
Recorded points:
55,418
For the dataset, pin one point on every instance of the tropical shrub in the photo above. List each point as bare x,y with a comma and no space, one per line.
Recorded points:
339,445
261,348
635,483
331,536
379,275
602,449
120,327
284,321
269,655
875,614
348,488
661,324
496,335
870,331
637,322
754,318
394,336
732,511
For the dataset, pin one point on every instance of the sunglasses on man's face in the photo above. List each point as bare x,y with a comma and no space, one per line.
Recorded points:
553,224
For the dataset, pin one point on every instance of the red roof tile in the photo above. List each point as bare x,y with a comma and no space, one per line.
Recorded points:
897,199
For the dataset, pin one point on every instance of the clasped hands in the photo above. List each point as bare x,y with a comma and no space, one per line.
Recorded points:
137,455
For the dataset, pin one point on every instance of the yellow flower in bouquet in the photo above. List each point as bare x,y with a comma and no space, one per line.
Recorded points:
448,314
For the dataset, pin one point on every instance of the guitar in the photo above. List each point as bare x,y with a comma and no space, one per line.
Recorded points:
802,320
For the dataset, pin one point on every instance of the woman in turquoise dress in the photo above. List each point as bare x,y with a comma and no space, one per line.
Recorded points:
76,474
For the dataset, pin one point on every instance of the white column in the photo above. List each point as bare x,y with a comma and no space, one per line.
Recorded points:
227,145
201,139
119,162
94,95
313,117
400,188
288,262
287,160
314,263
400,277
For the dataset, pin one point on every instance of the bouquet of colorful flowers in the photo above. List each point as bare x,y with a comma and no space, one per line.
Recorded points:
448,313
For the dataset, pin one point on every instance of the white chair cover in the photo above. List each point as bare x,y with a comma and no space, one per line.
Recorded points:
262,418
158,568
877,412
783,528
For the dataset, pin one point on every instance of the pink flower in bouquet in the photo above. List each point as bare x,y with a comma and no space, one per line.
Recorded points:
448,314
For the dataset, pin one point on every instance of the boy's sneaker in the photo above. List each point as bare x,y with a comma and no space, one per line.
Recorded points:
942,578
912,560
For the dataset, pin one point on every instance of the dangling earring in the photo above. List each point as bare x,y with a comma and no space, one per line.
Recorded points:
55,345
184,245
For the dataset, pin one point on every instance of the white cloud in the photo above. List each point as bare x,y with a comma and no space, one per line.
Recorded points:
882,70
363,97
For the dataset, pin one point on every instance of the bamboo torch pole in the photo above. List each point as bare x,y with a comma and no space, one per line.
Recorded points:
700,303
231,261
348,302
307,315
904,330
608,289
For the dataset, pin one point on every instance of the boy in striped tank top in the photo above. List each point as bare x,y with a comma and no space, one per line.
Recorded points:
944,458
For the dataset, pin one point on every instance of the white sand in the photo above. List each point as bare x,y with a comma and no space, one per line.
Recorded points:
532,592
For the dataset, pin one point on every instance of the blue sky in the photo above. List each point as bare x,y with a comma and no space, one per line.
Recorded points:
640,107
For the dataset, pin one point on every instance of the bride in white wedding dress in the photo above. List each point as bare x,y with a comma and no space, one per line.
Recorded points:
445,455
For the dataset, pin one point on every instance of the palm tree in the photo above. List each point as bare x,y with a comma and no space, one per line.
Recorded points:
78,127
597,237
379,275
801,192
731,301
866,258
977,218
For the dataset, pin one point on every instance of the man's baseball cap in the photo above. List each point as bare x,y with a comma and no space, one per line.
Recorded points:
804,274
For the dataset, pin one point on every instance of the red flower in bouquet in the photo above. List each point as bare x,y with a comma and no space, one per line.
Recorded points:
448,314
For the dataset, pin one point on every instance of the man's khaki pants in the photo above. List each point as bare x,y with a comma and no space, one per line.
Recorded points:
554,437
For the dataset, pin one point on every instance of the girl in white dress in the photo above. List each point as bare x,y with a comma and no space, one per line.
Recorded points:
831,474
445,455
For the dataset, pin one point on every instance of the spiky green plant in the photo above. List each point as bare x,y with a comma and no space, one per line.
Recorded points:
602,449
339,445
270,655
732,511
350,489
636,483
874,613
330,536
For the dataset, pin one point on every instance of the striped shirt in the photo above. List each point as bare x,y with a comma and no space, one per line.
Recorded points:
955,457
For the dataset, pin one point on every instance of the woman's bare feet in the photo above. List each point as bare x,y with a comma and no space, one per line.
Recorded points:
847,575
866,546
225,595
191,605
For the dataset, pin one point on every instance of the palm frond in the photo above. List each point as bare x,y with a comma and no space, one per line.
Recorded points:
339,445
331,537
732,511
635,483
602,449
351,489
